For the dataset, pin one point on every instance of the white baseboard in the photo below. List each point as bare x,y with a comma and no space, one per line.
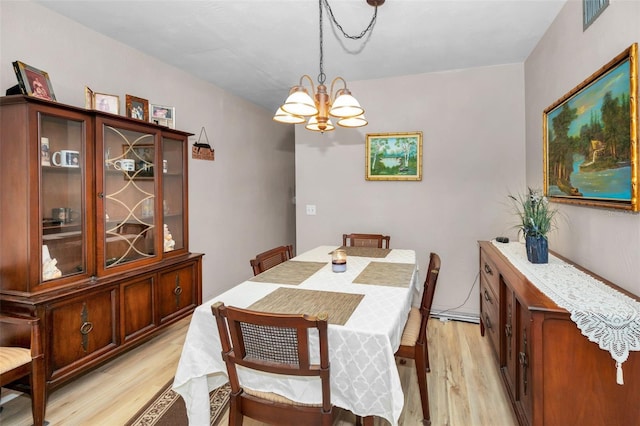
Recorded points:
456,316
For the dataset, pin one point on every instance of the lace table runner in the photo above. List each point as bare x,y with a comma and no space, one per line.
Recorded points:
603,314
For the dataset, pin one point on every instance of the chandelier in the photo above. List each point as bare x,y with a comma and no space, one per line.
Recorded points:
339,104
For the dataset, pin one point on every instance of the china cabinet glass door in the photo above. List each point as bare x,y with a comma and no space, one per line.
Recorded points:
129,196
63,165
173,194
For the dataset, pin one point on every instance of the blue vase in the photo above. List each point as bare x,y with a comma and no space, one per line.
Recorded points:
537,249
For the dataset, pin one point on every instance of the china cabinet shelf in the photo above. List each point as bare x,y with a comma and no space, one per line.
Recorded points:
86,245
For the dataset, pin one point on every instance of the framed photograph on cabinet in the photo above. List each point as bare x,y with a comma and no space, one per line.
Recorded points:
106,103
163,115
591,139
137,108
393,156
33,82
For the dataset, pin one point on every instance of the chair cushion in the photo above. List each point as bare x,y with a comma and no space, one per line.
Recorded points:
411,328
274,397
11,358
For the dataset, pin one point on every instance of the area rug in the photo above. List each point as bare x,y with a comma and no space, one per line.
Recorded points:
167,408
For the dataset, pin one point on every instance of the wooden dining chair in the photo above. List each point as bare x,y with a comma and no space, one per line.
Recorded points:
21,355
270,258
414,337
279,344
366,240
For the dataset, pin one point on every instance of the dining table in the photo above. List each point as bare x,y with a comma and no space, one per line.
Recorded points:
367,305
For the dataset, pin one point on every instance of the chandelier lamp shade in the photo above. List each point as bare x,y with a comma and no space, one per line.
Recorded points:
339,103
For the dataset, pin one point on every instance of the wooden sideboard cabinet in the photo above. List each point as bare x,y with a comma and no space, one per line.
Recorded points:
94,235
552,374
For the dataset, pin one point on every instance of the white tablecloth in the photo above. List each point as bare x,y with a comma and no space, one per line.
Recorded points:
364,377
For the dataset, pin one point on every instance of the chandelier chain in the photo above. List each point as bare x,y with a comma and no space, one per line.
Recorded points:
322,77
352,37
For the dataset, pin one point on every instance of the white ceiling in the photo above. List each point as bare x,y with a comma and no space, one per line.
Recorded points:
258,49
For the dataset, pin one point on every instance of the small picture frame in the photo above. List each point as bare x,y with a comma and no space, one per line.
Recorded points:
107,103
137,108
101,101
163,115
33,82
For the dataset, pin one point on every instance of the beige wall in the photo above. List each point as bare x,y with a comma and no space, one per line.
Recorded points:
239,204
473,152
603,240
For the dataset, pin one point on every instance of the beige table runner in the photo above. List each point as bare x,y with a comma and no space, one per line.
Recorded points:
289,272
285,300
387,274
365,251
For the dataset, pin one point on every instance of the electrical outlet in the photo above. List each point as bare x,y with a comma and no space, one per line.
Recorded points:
311,210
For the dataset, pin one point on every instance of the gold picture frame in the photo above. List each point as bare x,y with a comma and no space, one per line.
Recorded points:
393,156
590,150
33,82
101,101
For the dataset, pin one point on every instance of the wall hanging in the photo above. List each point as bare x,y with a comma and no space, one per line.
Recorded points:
202,150
591,139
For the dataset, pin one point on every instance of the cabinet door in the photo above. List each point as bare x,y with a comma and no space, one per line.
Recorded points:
47,226
81,329
177,292
128,225
509,346
525,381
65,211
174,201
137,307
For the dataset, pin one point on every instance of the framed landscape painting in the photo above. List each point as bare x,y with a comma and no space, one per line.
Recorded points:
393,156
591,139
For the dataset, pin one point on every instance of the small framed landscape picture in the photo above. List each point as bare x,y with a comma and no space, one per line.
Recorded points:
162,115
393,156
137,108
33,81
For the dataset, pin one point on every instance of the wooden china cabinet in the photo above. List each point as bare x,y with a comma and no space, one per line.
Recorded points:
94,232
553,375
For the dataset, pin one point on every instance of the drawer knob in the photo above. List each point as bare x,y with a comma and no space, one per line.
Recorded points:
488,269
86,328
487,297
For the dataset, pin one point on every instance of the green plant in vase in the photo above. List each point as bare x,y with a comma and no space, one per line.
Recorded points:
537,218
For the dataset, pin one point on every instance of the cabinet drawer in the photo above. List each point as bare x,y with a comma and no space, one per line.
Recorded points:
490,314
81,329
489,271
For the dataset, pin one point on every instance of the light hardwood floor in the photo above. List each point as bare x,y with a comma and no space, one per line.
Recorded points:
464,386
